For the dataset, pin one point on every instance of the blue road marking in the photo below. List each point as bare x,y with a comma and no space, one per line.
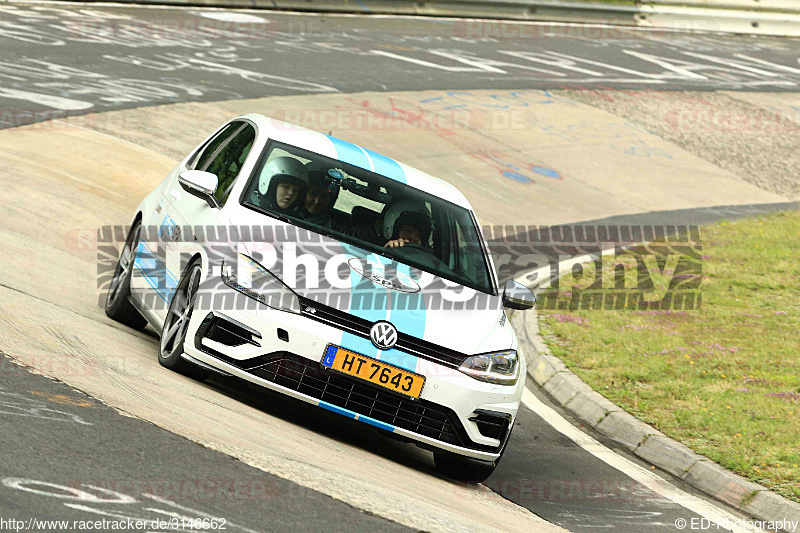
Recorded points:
544,171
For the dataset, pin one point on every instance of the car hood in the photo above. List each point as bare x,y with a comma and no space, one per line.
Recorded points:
375,287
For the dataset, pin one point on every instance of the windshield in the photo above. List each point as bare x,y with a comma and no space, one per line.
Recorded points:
369,211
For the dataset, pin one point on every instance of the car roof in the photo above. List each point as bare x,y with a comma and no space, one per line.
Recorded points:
336,148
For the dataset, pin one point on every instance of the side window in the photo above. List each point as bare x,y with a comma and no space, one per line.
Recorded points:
228,158
206,153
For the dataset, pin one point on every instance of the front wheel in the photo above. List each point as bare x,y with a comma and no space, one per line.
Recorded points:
118,307
173,335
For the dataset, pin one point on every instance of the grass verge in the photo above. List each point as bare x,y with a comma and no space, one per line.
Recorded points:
723,379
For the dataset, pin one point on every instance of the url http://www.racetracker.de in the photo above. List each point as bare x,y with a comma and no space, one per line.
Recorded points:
173,523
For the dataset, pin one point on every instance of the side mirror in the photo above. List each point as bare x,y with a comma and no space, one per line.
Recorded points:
518,296
201,184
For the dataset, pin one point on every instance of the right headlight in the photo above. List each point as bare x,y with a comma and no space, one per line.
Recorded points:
255,281
498,367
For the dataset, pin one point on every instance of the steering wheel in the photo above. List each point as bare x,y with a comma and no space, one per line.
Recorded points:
421,253
415,246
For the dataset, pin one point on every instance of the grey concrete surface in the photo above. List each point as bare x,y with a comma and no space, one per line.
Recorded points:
83,460
58,54
553,477
123,57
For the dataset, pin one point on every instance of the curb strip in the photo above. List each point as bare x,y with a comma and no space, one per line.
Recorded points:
647,443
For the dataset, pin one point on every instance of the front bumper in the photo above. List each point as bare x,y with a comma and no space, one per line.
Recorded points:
282,352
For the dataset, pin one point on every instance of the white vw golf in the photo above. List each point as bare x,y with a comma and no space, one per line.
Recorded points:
333,274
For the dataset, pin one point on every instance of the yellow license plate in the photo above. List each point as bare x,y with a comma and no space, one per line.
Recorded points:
372,370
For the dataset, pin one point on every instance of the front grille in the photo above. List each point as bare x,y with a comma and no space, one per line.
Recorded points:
310,378
359,326
307,377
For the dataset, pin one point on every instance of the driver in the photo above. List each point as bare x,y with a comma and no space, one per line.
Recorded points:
407,223
282,183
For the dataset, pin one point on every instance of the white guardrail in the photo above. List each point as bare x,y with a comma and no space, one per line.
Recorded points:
792,6
761,17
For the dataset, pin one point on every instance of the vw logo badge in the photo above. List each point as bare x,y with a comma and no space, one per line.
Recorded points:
383,335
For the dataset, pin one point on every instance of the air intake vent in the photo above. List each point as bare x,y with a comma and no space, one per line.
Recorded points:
492,424
226,332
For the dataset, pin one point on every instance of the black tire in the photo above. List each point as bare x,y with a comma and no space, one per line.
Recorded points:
173,334
463,469
118,307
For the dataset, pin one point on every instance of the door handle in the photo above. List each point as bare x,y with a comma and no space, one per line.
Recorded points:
175,194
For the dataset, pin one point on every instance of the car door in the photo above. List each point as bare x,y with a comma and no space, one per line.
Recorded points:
189,224
156,274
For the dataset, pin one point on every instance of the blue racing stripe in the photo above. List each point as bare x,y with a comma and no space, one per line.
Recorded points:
350,153
376,423
144,252
147,265
400,359
352,414
373,303
367,301
359,344
386,166
154,272
408,309
151,282
330,407
409,316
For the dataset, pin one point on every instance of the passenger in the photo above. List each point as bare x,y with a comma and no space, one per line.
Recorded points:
318,202
283,182
407,223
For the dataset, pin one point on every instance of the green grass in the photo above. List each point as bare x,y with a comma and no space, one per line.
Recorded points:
723,379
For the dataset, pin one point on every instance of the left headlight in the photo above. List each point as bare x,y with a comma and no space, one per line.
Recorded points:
251,279
499,367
